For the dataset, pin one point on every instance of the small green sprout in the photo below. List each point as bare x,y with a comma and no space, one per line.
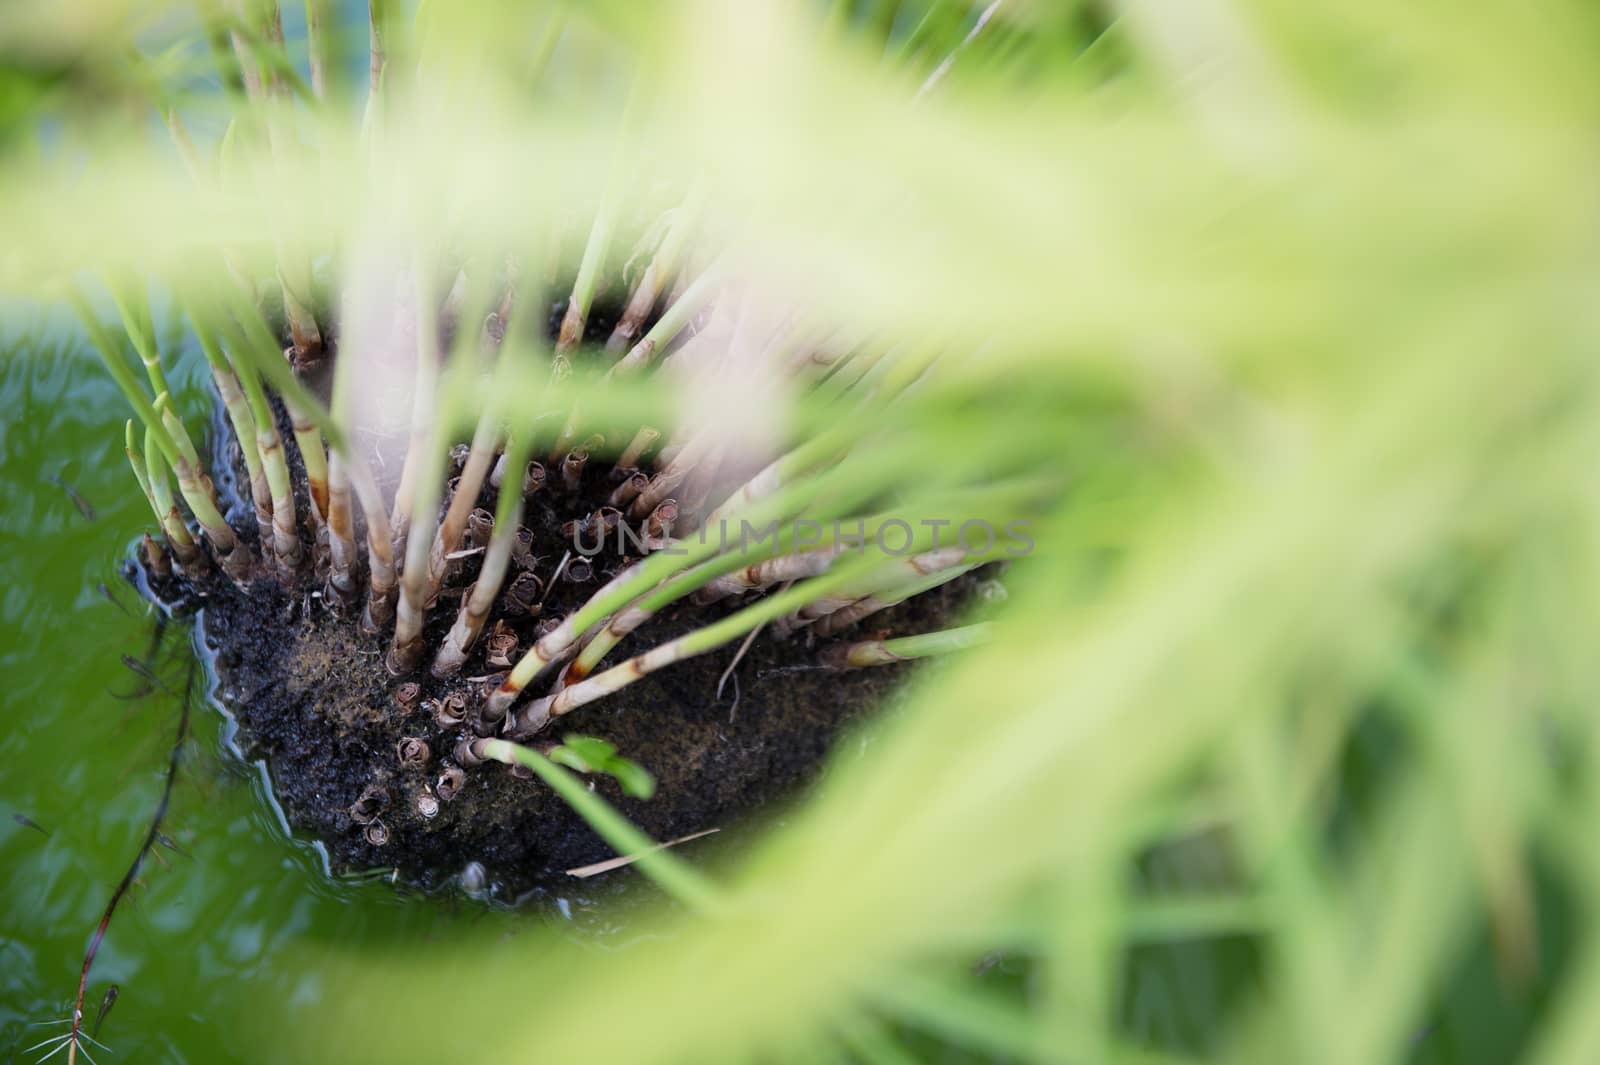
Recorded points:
590,754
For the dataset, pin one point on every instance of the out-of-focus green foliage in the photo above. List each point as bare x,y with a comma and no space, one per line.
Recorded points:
1307,284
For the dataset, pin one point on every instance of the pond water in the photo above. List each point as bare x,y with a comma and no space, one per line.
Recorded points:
220,934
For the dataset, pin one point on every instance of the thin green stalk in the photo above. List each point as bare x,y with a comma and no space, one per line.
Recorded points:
244,425
645,575
381,577
674,876
217,42
341,586
782,550
136,322
661,271
479,457
285,529
315,458
184,549
197,491
262,39
140,473
132,390
262,350
605,220
538,713
838,620
865,653
496,560
670,324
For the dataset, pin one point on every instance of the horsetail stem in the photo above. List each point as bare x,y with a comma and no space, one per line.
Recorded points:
136,459
313,455
641,442
783,560
244,426
599,242
155,557
838,620
285,530
634,483
865,653
672,322
538,713
473,473
294,273
662,270
197,491
109,354
184,549
641,577
480,599
341,534
136,322
411,610
263,352
378,12
764,574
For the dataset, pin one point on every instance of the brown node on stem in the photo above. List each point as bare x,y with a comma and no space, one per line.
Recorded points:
377,834
572,468
522,596
412,751
450,711
155,558
427,804
633,482
407,694
522,549
534,479
659,524
501,647
373,801
480,527
469,752
451,780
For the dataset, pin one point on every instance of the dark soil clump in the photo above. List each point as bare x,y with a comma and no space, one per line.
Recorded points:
311,696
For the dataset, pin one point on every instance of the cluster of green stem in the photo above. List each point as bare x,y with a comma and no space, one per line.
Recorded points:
844,464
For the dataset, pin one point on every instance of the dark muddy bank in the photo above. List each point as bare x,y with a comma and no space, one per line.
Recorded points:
312,698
